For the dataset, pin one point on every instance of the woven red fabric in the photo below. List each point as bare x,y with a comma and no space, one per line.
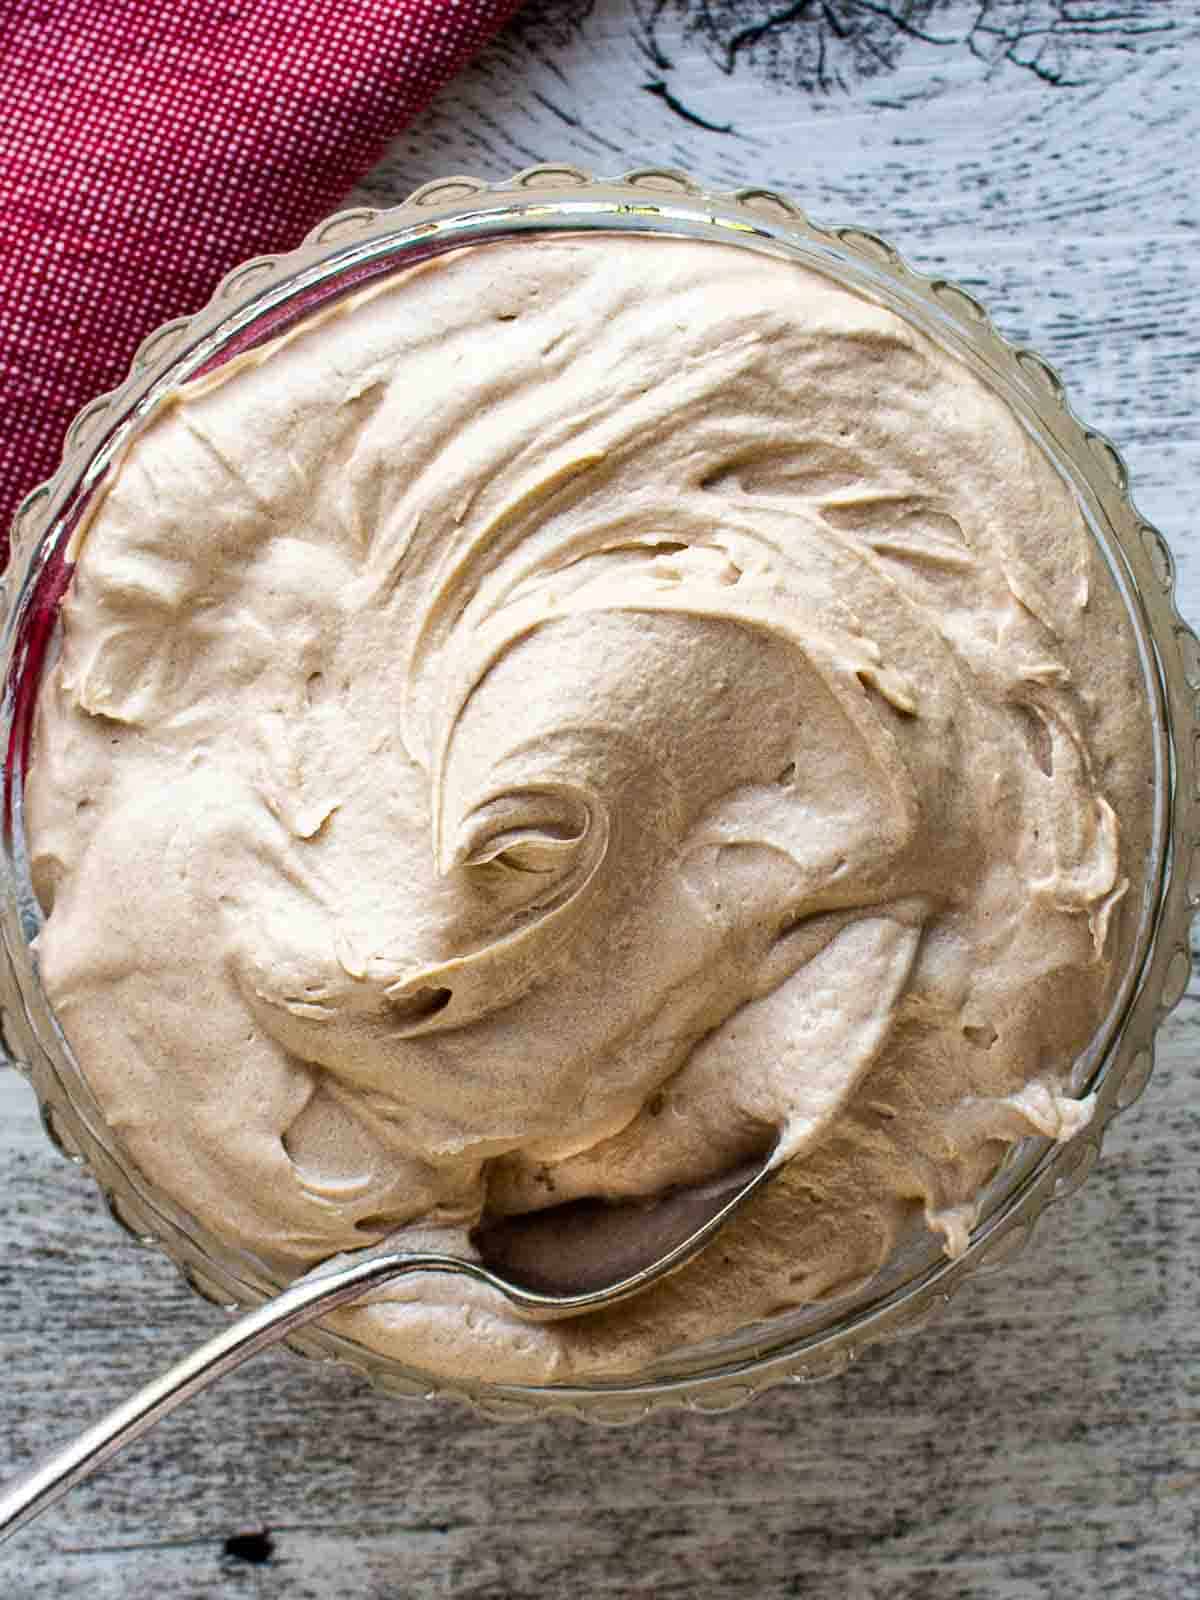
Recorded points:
147,146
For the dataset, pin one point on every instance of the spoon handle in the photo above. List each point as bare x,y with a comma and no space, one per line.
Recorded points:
690,1224
312,1296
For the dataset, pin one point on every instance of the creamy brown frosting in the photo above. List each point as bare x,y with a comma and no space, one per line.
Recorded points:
562,724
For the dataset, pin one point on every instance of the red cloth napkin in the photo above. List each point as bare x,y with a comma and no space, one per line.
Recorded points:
148,146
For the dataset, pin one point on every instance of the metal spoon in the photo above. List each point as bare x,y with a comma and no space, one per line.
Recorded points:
539,1263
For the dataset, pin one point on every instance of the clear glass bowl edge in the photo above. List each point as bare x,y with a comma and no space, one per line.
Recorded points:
456,211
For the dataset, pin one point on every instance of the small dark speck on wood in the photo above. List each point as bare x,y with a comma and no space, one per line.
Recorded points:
254,1548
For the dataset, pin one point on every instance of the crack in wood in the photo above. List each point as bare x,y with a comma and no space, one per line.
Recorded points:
658,87
823,45
554,110
250,1547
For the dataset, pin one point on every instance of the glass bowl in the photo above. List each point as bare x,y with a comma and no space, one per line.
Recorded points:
260,300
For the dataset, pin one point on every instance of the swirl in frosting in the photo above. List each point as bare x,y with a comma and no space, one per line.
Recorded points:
580,716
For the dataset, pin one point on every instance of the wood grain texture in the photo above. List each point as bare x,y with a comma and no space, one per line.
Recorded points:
1045,1440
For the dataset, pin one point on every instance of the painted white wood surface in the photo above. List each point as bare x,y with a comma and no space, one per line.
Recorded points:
1044,1441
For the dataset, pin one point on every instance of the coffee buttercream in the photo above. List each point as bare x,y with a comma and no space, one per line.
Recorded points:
571,721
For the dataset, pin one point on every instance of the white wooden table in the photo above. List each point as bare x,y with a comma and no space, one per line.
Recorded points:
1044,1441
